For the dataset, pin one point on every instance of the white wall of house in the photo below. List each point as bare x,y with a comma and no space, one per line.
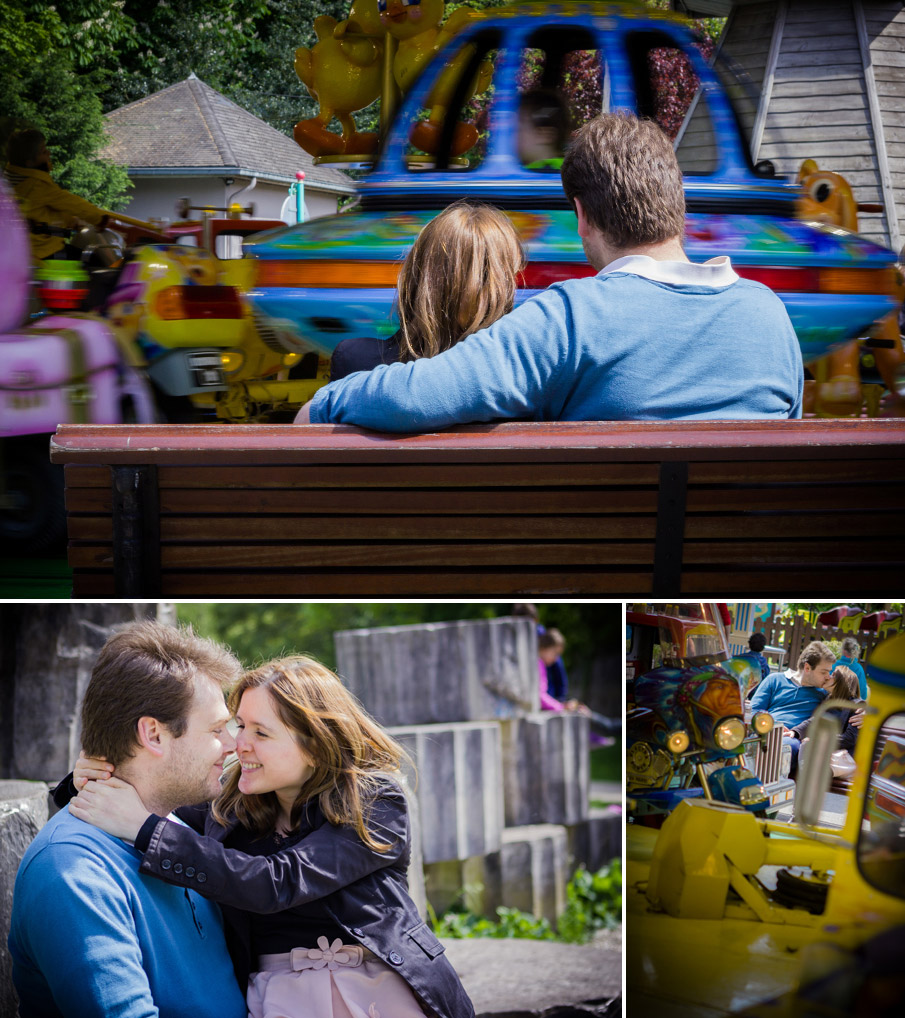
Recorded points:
156,197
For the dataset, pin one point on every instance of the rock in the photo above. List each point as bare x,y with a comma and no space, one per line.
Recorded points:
546,769
55,650
540,979
23,812
443,672
458,787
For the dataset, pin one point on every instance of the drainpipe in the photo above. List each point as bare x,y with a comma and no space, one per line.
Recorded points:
248,187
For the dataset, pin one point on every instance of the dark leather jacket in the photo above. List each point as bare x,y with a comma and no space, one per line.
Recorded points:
363,891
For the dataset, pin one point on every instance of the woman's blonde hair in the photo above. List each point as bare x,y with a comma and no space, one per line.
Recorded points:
458,278
349,749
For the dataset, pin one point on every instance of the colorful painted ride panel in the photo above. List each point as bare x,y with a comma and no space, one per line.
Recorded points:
694,700
335,277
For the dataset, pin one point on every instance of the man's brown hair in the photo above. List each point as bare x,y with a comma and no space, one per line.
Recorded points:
147,669
626,175
814,653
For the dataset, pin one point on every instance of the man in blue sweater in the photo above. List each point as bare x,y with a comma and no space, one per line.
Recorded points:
793,698
651,337
90,937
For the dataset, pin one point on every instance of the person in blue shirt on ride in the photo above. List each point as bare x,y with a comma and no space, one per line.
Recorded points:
652,336
756,644
793,698
851,650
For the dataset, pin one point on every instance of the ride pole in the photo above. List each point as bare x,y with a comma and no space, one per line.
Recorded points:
299,196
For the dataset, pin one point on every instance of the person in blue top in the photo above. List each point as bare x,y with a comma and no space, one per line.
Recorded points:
652,336
90,937
791,699
756,644
851,650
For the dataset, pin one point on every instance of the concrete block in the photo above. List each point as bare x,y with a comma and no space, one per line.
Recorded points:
533,869
529,872
597,840
546,769
23,812
443,672
415,872
458,787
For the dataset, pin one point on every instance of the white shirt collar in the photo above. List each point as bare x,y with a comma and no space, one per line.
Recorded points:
715,272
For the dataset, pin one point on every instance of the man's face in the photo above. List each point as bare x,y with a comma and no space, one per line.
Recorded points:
195,764
819,675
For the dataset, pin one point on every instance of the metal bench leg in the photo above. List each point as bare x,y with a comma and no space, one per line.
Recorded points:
136,531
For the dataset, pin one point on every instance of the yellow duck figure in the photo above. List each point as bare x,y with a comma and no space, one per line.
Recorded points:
342,71
837,390
416,26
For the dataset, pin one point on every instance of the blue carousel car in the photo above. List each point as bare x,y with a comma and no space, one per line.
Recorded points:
332,278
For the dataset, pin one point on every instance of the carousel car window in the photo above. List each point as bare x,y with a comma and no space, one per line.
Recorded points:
562,85
449,130
881,845
669,90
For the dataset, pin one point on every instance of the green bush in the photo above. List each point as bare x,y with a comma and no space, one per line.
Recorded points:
593,902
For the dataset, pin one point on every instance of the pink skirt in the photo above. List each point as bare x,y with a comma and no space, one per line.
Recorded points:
329,981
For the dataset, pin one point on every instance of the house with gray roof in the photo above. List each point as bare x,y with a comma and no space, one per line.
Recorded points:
189,141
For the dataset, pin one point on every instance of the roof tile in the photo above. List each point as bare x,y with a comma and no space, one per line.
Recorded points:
190,124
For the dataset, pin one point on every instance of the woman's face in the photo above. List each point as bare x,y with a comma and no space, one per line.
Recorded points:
271,759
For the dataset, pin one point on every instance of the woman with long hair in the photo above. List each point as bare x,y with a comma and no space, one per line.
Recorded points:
459,276
306,849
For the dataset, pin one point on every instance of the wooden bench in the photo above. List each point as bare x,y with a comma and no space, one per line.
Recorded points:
779,508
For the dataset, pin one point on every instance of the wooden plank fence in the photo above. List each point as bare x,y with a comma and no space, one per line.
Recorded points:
796,633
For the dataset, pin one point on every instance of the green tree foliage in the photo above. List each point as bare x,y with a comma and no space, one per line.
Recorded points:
41,87
259,632
593,902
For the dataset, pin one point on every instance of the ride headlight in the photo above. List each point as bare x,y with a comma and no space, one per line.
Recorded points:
729,733
751,795
762,723
677,742
231,360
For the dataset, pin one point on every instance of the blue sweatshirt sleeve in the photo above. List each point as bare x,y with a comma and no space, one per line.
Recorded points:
80,934
509,370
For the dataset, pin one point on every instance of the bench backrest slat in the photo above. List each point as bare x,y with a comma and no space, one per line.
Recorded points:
602,509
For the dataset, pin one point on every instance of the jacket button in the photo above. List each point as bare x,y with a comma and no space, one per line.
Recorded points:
177,868
396,959
357,932
202,877
166,864
190,871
